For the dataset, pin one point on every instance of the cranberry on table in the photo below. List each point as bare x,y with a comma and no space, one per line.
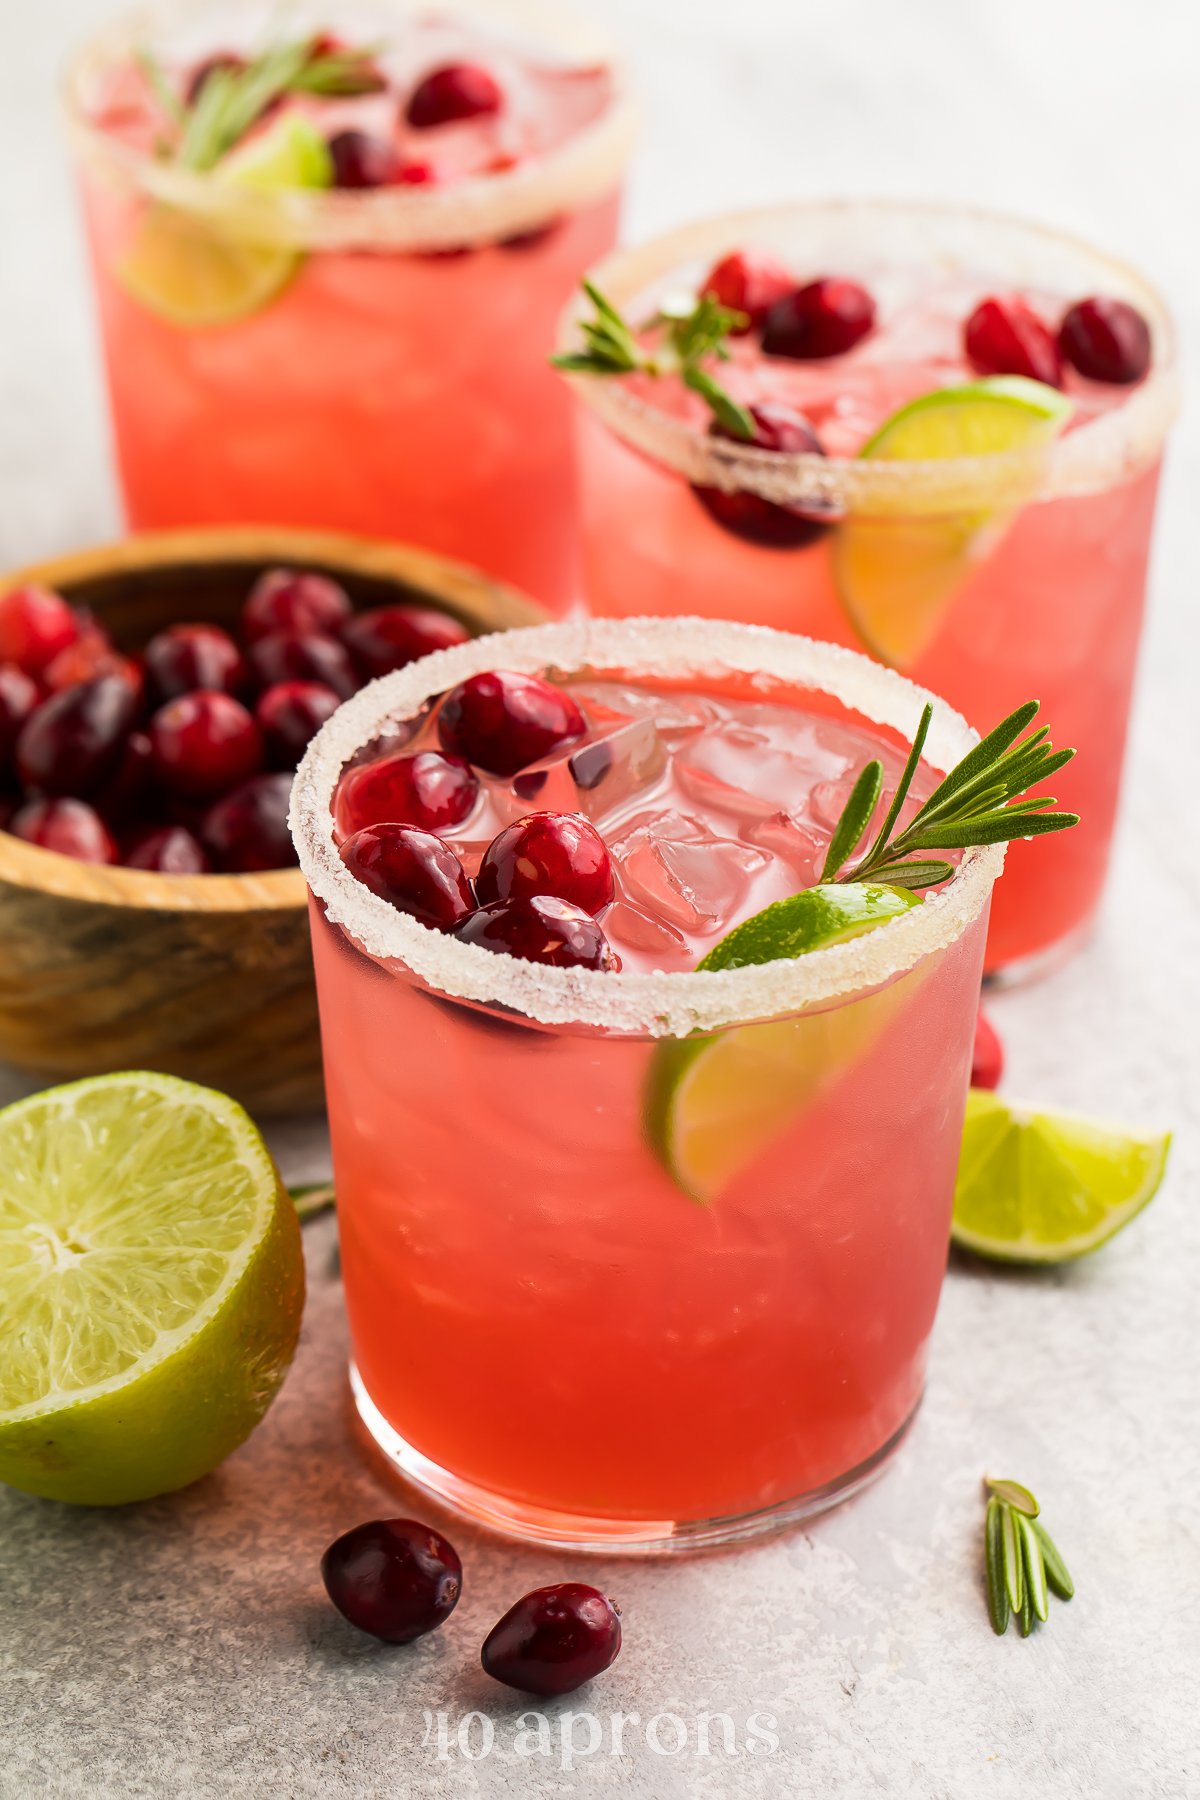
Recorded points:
751,516
169,850
186,657
412,870
394,1578
69,826
750,282
1005,336
203,744
427,789
294,600
987,1057
553,1640
361,160
73,742
19,697
502,721
455,91
1106,340
548,853
303,656
289,715
390,637
247,831
824,318
35,625
542,929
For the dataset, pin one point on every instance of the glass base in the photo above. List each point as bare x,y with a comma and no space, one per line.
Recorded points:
600,1537
1028,969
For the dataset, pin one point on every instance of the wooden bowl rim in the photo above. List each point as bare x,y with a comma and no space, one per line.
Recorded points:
274,890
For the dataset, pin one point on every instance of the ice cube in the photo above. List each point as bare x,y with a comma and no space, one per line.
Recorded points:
793,843
679,871
632,928
677,716
717,796
597,777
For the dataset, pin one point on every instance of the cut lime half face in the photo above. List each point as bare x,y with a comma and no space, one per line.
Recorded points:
183,267
151,1286
716,1102
897,574
1046,1187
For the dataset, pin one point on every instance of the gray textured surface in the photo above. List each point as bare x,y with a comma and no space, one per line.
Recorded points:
183,1648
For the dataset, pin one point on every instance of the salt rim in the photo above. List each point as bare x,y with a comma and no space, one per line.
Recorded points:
1105,450
657,1004
581,171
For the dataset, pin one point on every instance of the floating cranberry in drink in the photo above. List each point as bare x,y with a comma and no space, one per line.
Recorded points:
394,1578
554,1639
548,853
363,160
1106,340
1005,336
749,282
502,721
454,92
752,516
413,871
428,788
823,318
540,929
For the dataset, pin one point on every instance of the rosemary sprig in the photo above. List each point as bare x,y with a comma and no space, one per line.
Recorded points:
1023,1563
693,332
978,802
312,1198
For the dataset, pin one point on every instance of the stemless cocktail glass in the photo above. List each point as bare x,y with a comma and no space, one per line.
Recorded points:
986,578
552,1328
364,359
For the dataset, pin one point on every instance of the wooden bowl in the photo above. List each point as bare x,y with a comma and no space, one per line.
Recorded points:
206,976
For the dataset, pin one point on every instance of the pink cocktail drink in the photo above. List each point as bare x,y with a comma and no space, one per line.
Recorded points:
354,336
644,1256
986,577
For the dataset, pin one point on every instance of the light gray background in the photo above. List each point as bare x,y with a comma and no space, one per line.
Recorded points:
184,1648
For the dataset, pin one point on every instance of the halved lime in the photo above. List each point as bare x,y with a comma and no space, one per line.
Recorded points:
1044,1187
183,267
151,1286
714,1102
898,573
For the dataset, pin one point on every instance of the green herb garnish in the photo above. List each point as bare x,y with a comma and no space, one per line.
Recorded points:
1023,1562
693,331
312,1198
977,803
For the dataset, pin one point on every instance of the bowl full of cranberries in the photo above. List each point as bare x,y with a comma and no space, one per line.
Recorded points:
155,698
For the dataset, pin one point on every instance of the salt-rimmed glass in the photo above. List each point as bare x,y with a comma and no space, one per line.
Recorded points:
547,1331
393,379
1047,599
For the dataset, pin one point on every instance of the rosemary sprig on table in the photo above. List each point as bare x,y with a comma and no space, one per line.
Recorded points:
693,332
977,803
1023,1561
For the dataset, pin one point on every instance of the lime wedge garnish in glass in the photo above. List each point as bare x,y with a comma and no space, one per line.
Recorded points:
716,1101
1043,1187
897,573
151,1286
183,267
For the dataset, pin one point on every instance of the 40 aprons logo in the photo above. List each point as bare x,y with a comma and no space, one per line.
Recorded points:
568,1738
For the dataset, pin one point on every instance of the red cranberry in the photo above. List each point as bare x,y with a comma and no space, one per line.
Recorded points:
428,789
225,61
203,744
987,1059
390,637
554,1639
171,850
35,625
455,91
1004,336
72,744
749,282
541,929
502,721
395,1578
362,161
89,656
749,515
69,826
186,657
826,318
303,656
124,796
412,870
548,853
247,831
293,600
1105,340
416,174
289,715
19,697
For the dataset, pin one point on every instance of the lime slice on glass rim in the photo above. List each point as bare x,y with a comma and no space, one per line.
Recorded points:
151,1286
714,1102
897,573
1046,1187
183,267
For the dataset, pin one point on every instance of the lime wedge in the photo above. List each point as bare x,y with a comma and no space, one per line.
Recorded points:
151,1286
1041,1187
898,573
715,1102
184,268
